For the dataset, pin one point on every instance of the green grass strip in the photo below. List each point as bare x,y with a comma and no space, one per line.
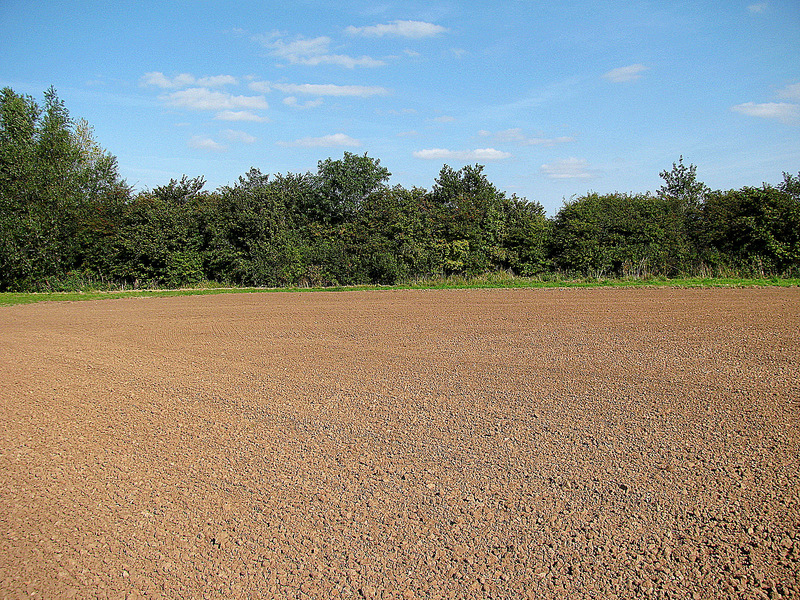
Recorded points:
490,281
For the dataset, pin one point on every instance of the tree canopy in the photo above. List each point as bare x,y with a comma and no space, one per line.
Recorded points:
68,220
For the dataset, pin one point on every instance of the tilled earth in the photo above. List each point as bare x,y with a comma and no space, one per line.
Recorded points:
403,444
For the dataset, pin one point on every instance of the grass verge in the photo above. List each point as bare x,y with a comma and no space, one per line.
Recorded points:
492,280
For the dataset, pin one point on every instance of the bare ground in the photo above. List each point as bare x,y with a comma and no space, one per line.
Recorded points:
403,444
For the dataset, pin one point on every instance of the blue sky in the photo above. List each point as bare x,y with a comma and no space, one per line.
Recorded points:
555,98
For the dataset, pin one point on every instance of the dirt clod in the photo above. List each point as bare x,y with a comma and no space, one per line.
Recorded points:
403,444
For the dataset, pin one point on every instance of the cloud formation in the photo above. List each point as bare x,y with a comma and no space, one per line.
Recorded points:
516,136
294,103
622,74
758,7
330,89
158,79
478,154
400,112
238,136
207,144
408,29
204,99
782,111
791,92
239,115
326,141
314,52
567,168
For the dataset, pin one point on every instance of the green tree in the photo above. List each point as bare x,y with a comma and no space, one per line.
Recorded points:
481,229
53,179
343,185
527,237
682,187
391,236
471,220
19,117
685,197
790,185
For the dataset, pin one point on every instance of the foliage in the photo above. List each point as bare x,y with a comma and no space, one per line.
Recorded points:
480,229
56,186
618,235
157,240
681,187
343,185
67,221
754,231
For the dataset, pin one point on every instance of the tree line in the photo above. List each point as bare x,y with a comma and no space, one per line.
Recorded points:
68,220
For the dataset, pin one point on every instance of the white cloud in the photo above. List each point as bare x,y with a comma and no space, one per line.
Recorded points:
513,135
411,133
488,154
263,87
758,7
548,142
237,136
300,47
516,136
326,141
330,89
434,154
783,111
315,52
239,115
205,99
567,168
444,154
158,79
293,102
792,92
444,119
403,111
201,143
216,81
622,74
409,29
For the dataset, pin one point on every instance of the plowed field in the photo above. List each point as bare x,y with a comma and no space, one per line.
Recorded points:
403,444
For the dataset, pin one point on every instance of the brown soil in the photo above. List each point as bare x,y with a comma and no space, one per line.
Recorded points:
403,444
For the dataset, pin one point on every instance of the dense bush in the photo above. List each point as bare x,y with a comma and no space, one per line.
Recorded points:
754,231
157,240
618,235
686,229
68,221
